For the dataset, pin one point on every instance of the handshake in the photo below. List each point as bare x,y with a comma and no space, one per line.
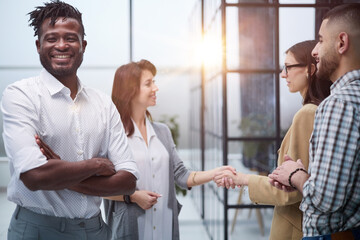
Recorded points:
226,176
286,177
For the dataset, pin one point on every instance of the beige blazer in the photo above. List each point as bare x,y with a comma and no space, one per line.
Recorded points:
287,218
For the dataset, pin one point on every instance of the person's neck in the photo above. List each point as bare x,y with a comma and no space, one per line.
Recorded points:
69,82
346,65
138,116
303,93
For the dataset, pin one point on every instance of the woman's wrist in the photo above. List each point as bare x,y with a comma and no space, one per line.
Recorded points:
245,178
133,197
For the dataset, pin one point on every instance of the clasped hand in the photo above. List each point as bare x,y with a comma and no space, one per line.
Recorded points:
279,178
145,199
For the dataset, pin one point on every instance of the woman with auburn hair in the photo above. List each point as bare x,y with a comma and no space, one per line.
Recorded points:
299,72
151,212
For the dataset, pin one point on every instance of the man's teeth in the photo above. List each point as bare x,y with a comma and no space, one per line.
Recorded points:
61,56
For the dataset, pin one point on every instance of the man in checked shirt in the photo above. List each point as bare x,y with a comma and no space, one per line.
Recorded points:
331,189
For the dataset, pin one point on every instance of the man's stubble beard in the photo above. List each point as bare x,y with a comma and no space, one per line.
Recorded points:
328,65
61,72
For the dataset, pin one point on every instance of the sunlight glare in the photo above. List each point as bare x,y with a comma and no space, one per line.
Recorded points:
209,51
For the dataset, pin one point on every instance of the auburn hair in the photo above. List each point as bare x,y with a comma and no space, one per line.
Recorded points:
126,87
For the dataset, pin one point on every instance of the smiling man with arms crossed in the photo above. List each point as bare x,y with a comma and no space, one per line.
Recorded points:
58,198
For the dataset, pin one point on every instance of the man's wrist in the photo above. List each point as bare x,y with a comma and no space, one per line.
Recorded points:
298,177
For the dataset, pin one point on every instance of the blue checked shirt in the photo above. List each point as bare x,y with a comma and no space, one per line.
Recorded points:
331,200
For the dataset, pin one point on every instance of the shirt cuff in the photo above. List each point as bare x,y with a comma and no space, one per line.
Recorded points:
129,167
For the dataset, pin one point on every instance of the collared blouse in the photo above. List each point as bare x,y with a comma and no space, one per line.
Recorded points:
153,164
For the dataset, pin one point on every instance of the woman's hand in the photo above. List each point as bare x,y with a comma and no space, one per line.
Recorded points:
281,186
45,149
224,168
228,179
145,199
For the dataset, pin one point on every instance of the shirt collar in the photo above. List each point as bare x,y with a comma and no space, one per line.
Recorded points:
149,130
136,130
55,86
344,80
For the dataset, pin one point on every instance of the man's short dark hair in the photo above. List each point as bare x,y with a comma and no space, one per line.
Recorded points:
54,10
348,13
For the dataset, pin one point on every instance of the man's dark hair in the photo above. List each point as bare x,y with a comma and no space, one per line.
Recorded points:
54,10
349,13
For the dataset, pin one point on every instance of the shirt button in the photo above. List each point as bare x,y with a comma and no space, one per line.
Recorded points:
155,209
154,227
152,159
153,175
80,152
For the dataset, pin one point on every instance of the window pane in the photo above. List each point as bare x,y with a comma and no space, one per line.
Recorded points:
295,25
256,157
256,38
213,106
251,105
232,38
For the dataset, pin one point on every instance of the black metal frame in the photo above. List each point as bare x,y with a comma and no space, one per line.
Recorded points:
320,4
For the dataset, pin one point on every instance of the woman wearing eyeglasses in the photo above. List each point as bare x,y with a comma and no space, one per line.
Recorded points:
299,73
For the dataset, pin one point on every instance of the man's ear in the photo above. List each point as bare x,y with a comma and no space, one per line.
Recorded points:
84,44
37,43
343,42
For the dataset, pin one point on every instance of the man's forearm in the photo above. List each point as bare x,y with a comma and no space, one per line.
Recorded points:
121,183
57,174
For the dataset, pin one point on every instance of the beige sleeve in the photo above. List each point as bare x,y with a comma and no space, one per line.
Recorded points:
260,190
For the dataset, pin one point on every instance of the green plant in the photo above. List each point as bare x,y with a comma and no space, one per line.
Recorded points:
171,122
173,125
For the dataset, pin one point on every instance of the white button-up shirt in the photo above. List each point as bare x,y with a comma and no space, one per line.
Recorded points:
153,163
86,127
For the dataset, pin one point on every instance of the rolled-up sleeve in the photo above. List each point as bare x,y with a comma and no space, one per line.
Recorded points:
20,120
118,151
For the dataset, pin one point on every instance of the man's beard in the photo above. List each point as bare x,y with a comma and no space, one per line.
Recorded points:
328,66
61,72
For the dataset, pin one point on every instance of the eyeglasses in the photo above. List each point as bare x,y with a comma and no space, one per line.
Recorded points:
294,65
